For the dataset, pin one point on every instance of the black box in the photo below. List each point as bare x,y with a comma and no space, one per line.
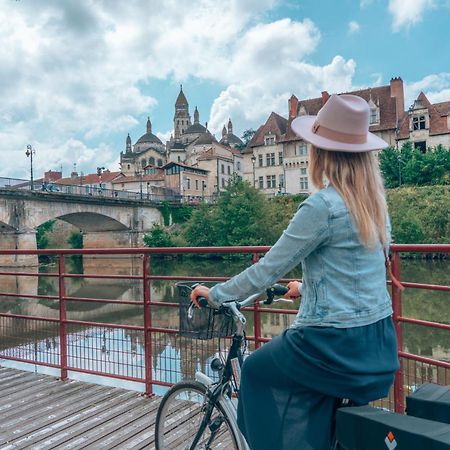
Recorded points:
367,428
430,401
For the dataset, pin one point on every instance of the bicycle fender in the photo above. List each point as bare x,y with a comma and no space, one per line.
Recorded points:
230,410
203,379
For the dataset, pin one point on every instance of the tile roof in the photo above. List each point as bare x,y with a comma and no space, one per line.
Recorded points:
275,124
132,179
438,114
90,178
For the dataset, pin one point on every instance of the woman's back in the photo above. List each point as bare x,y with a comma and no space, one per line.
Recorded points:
344,282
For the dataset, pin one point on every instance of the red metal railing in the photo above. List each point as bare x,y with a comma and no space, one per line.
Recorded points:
112,349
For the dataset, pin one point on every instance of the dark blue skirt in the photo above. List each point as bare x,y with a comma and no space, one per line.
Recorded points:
289,386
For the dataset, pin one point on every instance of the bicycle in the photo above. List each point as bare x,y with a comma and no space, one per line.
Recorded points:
201,414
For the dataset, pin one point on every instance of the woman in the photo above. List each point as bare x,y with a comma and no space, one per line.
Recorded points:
342,343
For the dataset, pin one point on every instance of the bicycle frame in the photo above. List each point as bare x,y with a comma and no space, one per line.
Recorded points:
219,393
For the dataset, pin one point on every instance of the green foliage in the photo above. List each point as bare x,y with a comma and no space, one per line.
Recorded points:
75,239
242,215
420,214
181,214
158,237
411,167
246,137
41,234
165,211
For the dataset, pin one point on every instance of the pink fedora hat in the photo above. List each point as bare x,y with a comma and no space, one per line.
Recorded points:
341,125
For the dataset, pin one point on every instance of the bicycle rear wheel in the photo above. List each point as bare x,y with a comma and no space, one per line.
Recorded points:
179,417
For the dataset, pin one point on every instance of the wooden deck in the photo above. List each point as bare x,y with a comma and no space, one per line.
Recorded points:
41,412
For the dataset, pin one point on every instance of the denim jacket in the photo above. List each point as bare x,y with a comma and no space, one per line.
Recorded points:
344,283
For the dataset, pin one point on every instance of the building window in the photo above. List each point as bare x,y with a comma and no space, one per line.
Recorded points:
260,160
196,185
303,183
261,182
128,166
179,158
421,146
271,181
280,158
269,140
419,123
373,116
238,165
188,183
151,161
222,168
303,171
229,170
281,181
270,159
223,182
301,149
160,162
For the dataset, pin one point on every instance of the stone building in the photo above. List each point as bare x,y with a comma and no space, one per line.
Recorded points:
276,160
187,143
148,150
425,124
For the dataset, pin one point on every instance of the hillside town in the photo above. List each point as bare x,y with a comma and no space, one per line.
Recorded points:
195,164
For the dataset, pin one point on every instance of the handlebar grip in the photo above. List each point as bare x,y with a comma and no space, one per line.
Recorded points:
202,301
278,289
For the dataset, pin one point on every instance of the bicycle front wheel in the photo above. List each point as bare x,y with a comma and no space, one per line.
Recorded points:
180,415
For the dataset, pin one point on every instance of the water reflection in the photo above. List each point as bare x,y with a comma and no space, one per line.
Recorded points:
121,351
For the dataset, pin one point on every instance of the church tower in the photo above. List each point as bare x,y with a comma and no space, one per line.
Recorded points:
182,119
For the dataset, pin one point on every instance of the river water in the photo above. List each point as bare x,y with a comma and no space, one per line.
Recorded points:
124,347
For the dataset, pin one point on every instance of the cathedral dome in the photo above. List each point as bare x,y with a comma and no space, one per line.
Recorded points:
149,137
195,128
205,139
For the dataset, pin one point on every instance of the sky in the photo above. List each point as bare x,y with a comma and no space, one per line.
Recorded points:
77,76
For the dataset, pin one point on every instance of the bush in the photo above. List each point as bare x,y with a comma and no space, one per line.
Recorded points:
158,237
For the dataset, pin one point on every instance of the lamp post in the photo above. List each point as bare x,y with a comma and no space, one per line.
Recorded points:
253,163
139,175
30,152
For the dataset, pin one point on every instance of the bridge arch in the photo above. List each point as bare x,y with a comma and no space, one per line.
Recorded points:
91,222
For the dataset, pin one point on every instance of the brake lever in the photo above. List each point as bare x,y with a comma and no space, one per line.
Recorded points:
286,300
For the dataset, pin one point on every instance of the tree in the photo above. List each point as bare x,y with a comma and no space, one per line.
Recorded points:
246,137
158,237
75,239
41,233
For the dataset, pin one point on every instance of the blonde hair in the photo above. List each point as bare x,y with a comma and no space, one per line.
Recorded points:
357,178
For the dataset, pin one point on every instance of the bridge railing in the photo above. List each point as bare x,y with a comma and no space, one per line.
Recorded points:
151,351
98,192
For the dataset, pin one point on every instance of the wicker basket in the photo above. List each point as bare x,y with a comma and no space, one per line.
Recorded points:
205,322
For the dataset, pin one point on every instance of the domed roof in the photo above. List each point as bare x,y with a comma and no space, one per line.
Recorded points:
195,128
205,139
231,138
149,138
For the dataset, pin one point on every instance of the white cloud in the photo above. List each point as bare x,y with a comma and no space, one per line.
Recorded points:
407,12
71,73
353,27
365,3
436,87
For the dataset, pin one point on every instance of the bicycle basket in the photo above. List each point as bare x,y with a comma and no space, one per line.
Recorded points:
205,322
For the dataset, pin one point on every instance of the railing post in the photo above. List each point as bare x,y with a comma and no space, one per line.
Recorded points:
147,326
62,318
257,314
399,395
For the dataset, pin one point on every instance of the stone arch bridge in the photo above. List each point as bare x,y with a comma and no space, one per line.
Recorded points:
105,222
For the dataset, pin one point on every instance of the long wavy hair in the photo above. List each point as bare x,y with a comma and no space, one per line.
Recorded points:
357,178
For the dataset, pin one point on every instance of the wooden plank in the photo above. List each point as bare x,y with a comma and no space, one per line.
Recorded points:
91,418
115,439
117,420
54,411
27,396
56,393
15,382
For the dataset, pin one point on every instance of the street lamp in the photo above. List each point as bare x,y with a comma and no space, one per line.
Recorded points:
138,174
253,163
30,152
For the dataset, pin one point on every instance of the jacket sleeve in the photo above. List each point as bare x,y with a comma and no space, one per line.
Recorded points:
307,230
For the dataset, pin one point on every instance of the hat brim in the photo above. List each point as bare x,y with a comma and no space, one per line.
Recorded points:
302,127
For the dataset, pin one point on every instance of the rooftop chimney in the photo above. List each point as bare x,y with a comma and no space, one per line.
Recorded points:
325,97
398,93
293,106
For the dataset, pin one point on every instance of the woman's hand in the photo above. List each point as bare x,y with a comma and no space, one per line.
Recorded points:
199,291
294,289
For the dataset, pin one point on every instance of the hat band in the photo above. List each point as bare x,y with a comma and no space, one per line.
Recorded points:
346,138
